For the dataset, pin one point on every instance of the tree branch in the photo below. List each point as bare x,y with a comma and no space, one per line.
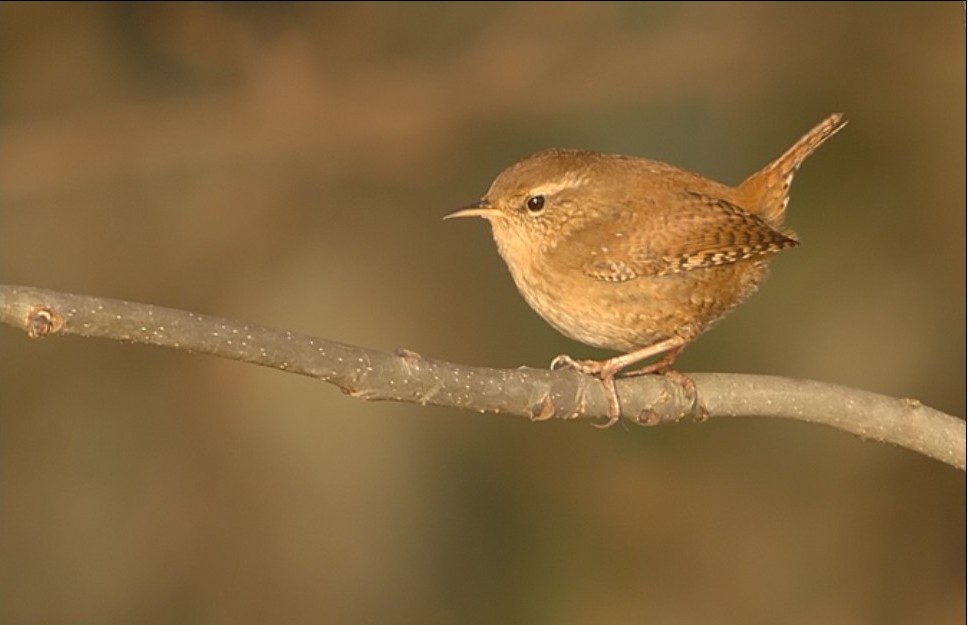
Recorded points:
538,394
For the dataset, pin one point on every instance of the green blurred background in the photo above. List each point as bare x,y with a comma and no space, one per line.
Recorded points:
289,164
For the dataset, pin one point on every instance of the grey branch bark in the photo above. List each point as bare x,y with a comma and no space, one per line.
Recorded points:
537,394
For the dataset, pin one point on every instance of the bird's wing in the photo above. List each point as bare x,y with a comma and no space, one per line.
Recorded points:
704,231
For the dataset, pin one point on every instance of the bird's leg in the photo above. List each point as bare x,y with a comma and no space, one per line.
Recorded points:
662,365
605,370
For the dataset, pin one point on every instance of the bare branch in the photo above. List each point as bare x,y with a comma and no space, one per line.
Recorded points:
537,394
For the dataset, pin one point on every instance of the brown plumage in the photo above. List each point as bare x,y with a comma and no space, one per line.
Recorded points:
635,255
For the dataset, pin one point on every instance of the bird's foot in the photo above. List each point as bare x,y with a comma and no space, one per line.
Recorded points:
602,370
686,383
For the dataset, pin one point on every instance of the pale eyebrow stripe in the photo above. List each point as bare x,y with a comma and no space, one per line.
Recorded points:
568,181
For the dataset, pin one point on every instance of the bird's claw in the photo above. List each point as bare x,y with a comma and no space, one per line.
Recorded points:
600,371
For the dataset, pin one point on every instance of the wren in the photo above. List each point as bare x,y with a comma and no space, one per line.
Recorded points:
634,255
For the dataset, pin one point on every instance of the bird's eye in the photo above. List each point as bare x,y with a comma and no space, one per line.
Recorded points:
536,203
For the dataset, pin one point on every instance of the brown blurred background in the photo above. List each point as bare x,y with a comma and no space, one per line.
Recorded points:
289,164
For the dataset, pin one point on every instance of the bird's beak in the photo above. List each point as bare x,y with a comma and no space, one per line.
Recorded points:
477,209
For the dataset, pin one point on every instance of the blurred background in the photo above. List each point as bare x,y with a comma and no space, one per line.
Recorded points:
289,164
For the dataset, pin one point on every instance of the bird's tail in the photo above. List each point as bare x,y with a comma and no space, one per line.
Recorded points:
767,192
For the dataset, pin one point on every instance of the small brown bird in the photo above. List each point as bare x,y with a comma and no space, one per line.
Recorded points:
634,255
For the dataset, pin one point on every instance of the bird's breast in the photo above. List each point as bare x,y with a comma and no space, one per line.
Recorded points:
629,315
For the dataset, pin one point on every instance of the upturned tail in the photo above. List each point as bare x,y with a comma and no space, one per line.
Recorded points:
767,192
